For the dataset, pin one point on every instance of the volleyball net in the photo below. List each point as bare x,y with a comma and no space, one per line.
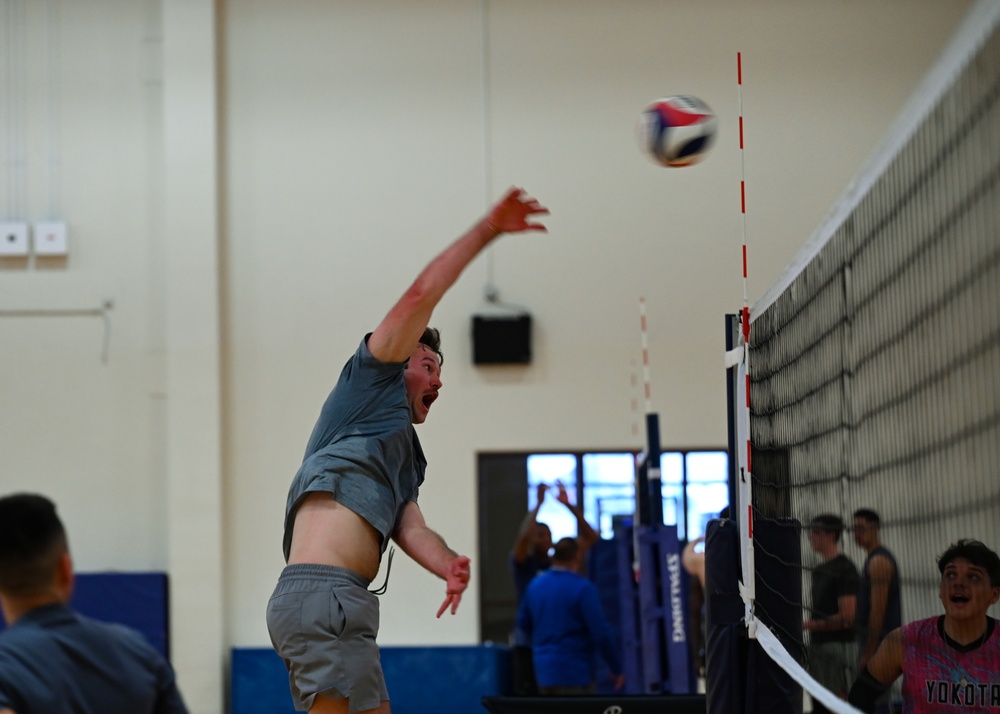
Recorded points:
874,363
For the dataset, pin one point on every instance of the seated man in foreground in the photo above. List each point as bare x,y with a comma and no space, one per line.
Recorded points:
52,659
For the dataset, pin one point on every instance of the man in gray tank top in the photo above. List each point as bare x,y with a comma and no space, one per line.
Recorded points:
357,489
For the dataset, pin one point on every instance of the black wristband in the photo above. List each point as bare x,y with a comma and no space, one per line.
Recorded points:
865,691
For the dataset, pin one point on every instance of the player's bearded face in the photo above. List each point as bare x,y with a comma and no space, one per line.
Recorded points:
422,377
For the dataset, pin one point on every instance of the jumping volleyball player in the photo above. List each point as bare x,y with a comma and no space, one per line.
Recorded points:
951,662
357,488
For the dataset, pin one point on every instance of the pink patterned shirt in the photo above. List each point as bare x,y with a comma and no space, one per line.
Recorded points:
939,675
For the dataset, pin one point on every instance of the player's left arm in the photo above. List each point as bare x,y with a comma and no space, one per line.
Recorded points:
429,550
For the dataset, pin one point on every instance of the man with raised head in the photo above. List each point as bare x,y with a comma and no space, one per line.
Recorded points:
949,663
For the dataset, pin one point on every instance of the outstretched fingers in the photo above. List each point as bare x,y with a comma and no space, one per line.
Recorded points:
452,600
512,213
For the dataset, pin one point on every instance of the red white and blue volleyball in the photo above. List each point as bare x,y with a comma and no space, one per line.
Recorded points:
677,131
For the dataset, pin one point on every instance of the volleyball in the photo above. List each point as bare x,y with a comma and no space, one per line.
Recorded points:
676,131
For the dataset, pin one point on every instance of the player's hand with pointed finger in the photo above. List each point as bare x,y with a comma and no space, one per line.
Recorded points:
456,582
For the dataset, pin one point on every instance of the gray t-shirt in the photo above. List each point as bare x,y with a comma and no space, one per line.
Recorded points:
363,449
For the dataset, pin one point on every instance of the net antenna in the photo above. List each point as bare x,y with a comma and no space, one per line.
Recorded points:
740,357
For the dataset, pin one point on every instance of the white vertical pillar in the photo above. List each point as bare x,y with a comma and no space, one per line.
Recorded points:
194,429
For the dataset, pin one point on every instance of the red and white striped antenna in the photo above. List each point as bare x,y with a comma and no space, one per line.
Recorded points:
645,354
743,201
745,316
747,587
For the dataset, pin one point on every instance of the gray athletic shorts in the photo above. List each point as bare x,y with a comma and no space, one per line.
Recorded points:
323,622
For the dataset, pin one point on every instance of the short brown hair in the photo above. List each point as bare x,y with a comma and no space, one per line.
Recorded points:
432,338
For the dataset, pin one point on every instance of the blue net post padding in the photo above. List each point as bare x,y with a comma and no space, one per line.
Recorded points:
725,637
739,676
663,602
651,630
777,555
653,613
602,568
628,612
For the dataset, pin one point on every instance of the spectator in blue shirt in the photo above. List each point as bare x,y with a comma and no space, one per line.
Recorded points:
530,557
52,659
561,615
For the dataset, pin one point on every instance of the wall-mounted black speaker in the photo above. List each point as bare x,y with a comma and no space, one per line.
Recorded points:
501,339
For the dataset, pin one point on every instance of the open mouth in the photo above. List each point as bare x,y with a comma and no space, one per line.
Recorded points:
959,599
429,399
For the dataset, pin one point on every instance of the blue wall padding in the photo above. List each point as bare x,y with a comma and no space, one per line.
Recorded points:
419,679
259,683
454,679
138,600
623,703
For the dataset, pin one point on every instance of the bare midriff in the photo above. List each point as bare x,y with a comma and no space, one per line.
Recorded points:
328,533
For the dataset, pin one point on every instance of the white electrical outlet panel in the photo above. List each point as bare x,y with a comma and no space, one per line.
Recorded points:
50,238
13,239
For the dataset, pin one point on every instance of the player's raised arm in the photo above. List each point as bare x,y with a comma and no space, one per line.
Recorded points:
526,533
396,336
586,535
